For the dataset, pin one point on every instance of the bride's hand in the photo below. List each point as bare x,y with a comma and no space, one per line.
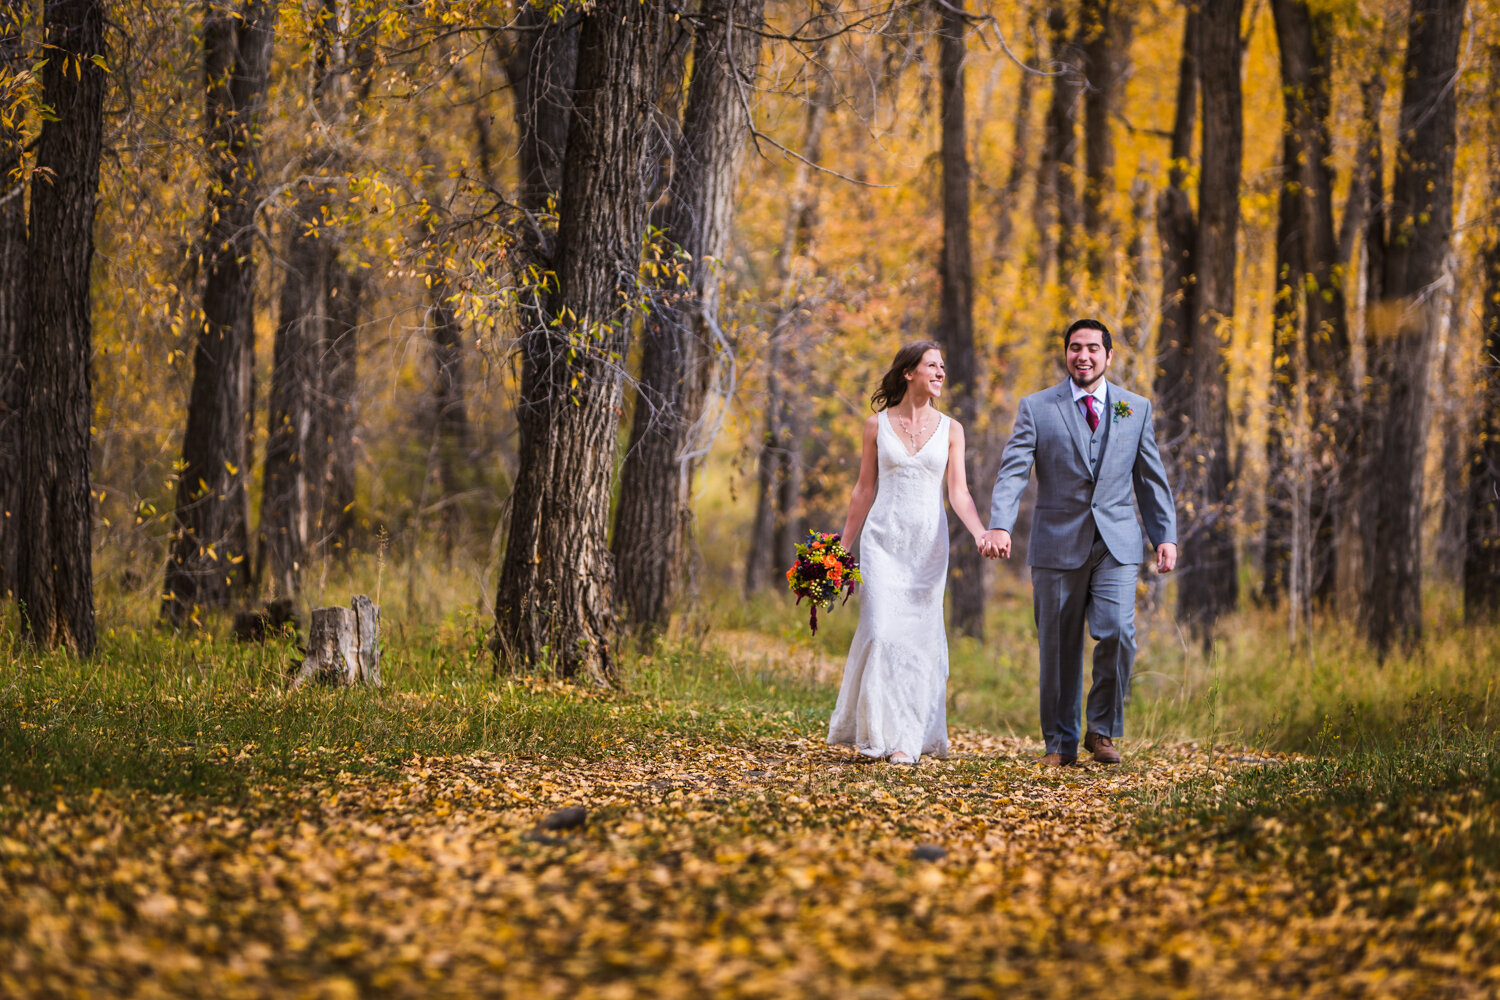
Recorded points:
995,544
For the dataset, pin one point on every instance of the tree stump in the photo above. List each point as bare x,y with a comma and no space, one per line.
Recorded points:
367,625
343,646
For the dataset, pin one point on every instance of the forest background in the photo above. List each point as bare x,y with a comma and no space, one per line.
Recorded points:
351,312
551,328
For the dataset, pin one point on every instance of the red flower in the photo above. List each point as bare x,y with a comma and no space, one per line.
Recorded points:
823,569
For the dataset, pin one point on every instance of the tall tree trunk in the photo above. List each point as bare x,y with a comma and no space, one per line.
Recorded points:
1481,573
790,524
55,585
759,564
339,413
1402,331
1209,583
449,425
1059,221
445,420
450,415
1454,416
13,308
1362,253
347,286
553,604
1311,358
683,344
1136,304
542,68
299,448
1178,230
284,507
1357,204
1020,150
778,522
211,520
1306,42
955,329
1284,463
1105,29
447,417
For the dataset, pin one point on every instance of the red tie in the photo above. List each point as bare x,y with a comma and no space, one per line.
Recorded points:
1088,402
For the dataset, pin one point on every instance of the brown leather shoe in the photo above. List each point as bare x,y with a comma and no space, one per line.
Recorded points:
1056,760
1103,750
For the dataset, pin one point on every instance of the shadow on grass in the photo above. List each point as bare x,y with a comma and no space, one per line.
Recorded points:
1423,799
198,716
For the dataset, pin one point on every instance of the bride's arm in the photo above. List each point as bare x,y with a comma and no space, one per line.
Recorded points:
958,483
863,496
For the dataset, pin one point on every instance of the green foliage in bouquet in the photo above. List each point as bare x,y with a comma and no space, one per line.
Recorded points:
823,569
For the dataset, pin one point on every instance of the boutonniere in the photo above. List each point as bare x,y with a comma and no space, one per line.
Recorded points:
1122,410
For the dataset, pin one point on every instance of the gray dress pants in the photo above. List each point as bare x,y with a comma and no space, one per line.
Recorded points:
1100,593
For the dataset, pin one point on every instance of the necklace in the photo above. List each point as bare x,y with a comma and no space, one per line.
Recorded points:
914,431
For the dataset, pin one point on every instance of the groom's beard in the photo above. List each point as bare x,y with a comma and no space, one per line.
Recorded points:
1086,386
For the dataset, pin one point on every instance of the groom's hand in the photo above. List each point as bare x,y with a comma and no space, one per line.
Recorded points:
1166,557
996,543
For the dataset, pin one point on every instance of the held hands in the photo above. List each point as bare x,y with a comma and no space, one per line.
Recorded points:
994,544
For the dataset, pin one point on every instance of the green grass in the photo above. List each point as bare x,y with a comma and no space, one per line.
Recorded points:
200,715
1383,826
1255,686
1390,826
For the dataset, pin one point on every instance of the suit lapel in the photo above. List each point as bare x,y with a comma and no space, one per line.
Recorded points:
1072,419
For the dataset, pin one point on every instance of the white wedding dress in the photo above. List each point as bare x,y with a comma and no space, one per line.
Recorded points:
894,695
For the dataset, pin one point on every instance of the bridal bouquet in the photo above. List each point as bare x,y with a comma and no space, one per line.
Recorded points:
823,568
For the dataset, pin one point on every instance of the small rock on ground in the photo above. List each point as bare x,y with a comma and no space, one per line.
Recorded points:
567,818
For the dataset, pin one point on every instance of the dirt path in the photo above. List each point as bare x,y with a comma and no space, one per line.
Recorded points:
771,870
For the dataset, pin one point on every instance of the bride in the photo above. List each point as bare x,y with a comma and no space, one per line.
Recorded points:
893,699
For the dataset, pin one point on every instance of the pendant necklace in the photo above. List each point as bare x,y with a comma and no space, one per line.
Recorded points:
911,431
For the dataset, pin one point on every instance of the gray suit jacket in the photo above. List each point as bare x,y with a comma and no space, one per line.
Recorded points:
1052,434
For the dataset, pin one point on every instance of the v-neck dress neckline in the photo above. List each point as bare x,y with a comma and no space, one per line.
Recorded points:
890,425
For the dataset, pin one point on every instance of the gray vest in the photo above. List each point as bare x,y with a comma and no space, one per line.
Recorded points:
1096,439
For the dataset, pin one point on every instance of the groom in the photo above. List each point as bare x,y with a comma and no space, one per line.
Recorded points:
1092,445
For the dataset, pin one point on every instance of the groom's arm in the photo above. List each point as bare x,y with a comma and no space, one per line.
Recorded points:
1152,491
1015,470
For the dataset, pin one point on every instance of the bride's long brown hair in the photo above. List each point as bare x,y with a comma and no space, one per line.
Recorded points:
893,383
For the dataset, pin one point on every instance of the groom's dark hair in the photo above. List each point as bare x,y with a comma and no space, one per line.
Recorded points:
1089,324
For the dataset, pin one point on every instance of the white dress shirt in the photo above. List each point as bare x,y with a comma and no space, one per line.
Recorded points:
1098,394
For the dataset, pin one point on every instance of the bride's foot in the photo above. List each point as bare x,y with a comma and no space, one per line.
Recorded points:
900,757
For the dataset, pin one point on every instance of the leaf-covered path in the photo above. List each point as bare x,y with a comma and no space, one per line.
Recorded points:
771,870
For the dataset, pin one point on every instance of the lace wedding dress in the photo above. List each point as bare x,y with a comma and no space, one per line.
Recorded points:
894,695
